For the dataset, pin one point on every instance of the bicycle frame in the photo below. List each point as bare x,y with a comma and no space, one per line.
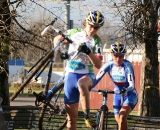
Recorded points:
46,96
42,62
54,87
103,111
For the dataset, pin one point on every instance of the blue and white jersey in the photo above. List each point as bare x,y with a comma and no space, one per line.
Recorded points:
122,76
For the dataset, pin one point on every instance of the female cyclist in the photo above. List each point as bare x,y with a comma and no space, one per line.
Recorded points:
121,73
79,76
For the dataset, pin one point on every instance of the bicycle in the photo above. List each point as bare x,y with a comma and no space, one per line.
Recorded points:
48,98
52,104
102,115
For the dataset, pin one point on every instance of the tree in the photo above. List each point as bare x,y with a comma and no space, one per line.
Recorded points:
138,25
5,21
15,37
149,99
140,21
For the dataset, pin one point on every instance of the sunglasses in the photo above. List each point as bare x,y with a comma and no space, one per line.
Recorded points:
120,56
96,28
92,26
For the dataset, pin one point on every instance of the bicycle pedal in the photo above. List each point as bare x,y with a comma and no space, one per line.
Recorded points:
63,111
56,110
56,107
35,94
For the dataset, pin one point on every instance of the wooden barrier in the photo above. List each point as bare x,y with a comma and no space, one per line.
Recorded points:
26,118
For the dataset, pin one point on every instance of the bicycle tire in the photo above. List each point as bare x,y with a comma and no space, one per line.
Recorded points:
58,121
103,118
32,73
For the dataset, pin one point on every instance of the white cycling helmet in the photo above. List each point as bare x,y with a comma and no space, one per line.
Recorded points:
95,18
118,48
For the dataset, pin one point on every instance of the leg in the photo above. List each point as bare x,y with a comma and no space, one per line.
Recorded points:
71,99
79,86
121,113
121,118
72,115
84,85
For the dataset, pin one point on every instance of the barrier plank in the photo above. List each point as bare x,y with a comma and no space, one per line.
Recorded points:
26,118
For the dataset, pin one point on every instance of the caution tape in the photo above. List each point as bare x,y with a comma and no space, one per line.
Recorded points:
147,87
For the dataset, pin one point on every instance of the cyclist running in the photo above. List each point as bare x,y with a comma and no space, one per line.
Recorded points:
121,73
79,76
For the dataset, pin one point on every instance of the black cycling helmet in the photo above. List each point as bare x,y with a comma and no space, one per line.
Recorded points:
95,18
118,48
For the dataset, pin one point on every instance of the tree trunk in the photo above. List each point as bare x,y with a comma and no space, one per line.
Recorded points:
4,50
149,104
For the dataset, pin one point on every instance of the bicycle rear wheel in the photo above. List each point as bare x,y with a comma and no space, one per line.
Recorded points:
103,118
53,119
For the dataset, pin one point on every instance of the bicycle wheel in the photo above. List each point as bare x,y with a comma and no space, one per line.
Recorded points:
103,118
32,73
53,119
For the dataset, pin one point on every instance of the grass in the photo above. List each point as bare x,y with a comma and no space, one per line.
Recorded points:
134,113
80,122
38,90
25,91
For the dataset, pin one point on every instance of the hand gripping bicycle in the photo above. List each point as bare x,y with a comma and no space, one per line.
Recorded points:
102,115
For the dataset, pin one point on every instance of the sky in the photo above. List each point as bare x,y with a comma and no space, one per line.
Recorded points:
32,12
78,9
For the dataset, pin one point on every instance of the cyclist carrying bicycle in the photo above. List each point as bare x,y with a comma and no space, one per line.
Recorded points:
121,73
79,76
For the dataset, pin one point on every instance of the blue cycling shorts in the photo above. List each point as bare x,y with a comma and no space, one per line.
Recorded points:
71,93
131,99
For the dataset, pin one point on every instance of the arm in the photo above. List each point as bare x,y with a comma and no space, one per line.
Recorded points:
130,77
105,68
131,82
57,39
95,61
97,52
59,51
95,57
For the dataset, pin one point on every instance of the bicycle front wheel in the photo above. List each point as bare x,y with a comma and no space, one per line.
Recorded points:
52,115
103,118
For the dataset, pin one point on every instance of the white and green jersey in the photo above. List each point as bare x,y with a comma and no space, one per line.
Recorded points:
81,63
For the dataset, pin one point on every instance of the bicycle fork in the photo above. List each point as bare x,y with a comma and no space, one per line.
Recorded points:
98,115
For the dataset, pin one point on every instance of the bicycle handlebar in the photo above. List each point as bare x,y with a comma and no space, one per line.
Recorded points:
56,30
45,30
48,26
63,35
110,92
105,91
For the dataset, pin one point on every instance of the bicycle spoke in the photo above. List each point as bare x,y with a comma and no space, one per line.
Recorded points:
52,114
